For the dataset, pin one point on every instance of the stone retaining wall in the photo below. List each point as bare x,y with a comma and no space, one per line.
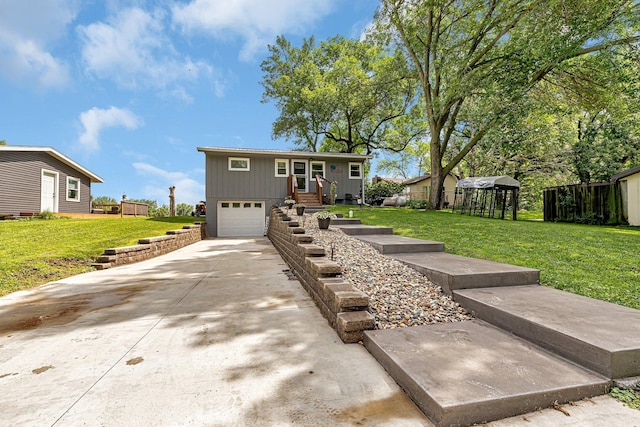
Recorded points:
345,307
151,247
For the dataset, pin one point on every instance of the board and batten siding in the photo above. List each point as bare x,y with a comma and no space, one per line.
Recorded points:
261,184
21,181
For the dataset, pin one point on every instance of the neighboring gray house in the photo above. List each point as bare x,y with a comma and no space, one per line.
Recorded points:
39,179
242,184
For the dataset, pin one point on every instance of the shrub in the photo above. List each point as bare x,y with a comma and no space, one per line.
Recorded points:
418,204
380,190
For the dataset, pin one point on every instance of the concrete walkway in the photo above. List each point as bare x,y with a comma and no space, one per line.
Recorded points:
213,334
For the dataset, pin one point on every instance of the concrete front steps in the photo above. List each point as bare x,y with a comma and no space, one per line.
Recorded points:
471,372
453,272
533,346
598,335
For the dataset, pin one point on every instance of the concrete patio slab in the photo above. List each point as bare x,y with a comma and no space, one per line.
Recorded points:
471,372
392,244
599,335
453,272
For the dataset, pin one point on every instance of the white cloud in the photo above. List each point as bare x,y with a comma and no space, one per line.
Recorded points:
132,49
256,21
27,31
97,119
187,189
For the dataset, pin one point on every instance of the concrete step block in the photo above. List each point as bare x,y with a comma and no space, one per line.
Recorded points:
345,221
301,238
355,321
471,372
323,267
101,265
598,335
358,230
392,244
107,258
453,272
349,300
312,250
351,325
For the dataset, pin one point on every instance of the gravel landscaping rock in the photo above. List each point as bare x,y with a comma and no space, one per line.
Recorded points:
399,295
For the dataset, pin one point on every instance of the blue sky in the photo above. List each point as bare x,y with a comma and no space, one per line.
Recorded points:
129,89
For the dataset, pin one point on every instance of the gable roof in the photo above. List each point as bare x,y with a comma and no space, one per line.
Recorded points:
422,178
284,153
417,179
625,174
55,154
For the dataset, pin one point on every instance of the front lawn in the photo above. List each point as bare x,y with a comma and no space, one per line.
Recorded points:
34,252
595,261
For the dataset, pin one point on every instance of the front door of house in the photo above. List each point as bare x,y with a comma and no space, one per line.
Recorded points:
300,170
48,193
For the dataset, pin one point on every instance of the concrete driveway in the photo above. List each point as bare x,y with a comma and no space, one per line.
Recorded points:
214,334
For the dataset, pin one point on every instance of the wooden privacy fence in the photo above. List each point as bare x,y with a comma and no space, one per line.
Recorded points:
122,208
599,203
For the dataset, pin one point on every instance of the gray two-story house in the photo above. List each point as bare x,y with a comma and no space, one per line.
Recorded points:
242,184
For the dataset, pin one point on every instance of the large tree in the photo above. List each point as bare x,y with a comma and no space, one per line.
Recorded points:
341,95
485,56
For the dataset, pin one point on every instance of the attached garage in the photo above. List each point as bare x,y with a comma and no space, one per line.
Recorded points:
241,218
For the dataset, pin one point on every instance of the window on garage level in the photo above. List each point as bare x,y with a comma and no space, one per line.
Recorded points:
239,164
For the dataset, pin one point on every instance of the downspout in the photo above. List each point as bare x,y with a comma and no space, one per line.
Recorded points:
362,186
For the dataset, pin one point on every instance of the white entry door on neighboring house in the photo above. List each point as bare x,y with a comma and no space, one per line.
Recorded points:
241,218
48,192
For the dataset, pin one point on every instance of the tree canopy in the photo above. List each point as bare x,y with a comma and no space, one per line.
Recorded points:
477,61
341,95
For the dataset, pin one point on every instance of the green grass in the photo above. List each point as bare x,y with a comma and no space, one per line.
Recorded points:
34,252
594,261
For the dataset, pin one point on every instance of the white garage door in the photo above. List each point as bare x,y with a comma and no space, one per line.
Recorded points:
241,219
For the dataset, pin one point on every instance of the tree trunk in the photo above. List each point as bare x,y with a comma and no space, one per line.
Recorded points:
437,178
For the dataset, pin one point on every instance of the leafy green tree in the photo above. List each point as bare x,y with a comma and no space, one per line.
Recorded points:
104,200
3,142
162,211
476,60
184,209
341,95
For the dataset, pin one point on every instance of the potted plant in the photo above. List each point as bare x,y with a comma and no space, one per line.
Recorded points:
289,202
324,219
299,208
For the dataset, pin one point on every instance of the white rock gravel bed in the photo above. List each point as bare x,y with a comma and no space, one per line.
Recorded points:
399,296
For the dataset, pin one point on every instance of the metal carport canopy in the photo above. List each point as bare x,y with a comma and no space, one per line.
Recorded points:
488,182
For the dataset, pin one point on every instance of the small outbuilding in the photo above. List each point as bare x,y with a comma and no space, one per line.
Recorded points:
489,196
37,179
630,191
420,188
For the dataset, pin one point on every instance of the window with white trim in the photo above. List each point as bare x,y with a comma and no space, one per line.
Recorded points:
239,164
282,168
317,168
355,170
73,189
